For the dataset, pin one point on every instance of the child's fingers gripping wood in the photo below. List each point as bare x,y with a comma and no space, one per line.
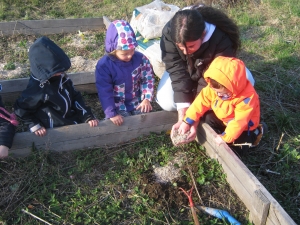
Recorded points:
93,123
145,106
41,132
3,151
117,120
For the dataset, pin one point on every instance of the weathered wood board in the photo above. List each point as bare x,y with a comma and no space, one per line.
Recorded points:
11,89
81,136
264,209
54,26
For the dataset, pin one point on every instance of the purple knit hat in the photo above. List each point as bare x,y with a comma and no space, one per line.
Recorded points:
119,36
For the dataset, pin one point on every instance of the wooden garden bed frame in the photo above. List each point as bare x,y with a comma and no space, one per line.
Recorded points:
264,209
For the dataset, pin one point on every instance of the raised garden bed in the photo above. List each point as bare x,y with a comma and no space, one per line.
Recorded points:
264,209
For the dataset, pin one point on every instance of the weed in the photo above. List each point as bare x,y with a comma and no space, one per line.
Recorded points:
10,66
22,44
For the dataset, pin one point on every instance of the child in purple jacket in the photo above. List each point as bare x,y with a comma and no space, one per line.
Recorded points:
124,77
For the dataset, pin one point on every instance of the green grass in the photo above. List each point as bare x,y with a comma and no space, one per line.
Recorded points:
108,186
271,50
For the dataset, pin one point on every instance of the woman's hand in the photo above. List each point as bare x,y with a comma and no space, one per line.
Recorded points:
93,123
145,106
181,113
40,132
117,120
176,126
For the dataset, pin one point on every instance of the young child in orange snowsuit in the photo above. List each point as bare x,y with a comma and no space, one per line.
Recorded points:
229,104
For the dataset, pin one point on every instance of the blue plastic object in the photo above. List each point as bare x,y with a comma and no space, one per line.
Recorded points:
221,214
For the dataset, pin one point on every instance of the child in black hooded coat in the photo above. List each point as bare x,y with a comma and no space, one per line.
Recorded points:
50,99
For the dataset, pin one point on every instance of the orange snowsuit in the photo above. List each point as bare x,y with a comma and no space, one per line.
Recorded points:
241,112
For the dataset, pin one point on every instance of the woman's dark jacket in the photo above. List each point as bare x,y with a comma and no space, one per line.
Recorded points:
50,101
186,80
7,130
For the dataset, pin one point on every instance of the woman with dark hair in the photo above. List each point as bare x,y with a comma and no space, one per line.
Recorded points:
190,41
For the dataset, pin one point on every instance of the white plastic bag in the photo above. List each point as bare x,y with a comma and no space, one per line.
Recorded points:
149,20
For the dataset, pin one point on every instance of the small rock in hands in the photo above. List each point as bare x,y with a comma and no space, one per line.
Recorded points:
179,138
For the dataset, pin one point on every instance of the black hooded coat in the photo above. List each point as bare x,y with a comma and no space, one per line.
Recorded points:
50,101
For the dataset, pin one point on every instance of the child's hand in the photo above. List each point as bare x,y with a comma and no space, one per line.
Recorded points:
117,120
183,133
3,151
40,132
93,123
193,131
182,128
145,106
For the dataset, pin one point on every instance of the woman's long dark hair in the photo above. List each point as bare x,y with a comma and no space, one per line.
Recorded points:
188,25
223,22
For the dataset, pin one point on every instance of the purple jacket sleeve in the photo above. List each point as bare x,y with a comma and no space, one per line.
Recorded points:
105,88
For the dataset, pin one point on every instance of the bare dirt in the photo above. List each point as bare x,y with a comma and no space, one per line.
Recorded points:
167,192
79,63
14,50
22,70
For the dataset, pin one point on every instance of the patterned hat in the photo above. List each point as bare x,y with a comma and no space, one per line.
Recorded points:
120,36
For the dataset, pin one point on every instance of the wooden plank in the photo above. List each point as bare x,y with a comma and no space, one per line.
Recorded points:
277,214
11,89
235,183
15,85
83,78
258,215
106,22
269,222
54,26
235,164
261,204
241,179
10,98
87,88
82,136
